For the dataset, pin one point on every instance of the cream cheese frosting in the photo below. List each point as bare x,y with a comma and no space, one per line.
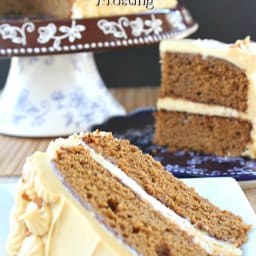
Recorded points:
47,222
37,219
63,218
243,55
31,246
181,105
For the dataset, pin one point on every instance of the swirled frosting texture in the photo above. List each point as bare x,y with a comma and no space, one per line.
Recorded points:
16,237
45,216
31,246
37,219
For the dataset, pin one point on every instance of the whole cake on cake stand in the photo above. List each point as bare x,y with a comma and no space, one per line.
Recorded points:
53,87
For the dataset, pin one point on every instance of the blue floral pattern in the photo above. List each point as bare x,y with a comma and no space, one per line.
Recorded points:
75,107
54,96
25,109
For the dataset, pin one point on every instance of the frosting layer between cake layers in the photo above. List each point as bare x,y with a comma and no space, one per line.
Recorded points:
48,220
243,55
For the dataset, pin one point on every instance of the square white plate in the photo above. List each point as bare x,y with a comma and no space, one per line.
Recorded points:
224,192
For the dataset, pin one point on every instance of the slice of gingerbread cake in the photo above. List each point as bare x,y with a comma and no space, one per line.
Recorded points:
92,194
207,98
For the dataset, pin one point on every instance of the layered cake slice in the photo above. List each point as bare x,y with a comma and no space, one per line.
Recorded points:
81,8
92,194
207,98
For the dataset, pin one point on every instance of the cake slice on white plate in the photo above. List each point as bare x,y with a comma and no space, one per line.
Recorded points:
93,194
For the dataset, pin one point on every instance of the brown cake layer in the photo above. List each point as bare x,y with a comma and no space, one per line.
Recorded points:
122,211
169,190
208,134
54,8
206,80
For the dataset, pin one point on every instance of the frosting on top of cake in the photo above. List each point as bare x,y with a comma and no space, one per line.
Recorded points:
49,218
242,53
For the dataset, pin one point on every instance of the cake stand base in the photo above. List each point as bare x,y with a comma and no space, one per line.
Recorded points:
55,95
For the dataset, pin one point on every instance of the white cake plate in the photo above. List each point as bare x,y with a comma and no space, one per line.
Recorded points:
53,87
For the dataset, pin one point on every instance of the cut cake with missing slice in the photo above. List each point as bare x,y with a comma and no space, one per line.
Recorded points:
207,99
92,194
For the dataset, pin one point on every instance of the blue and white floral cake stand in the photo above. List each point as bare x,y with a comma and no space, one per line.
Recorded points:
54,95
53,87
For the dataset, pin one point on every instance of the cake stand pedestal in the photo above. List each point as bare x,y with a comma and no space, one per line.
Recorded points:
54,95
51,93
